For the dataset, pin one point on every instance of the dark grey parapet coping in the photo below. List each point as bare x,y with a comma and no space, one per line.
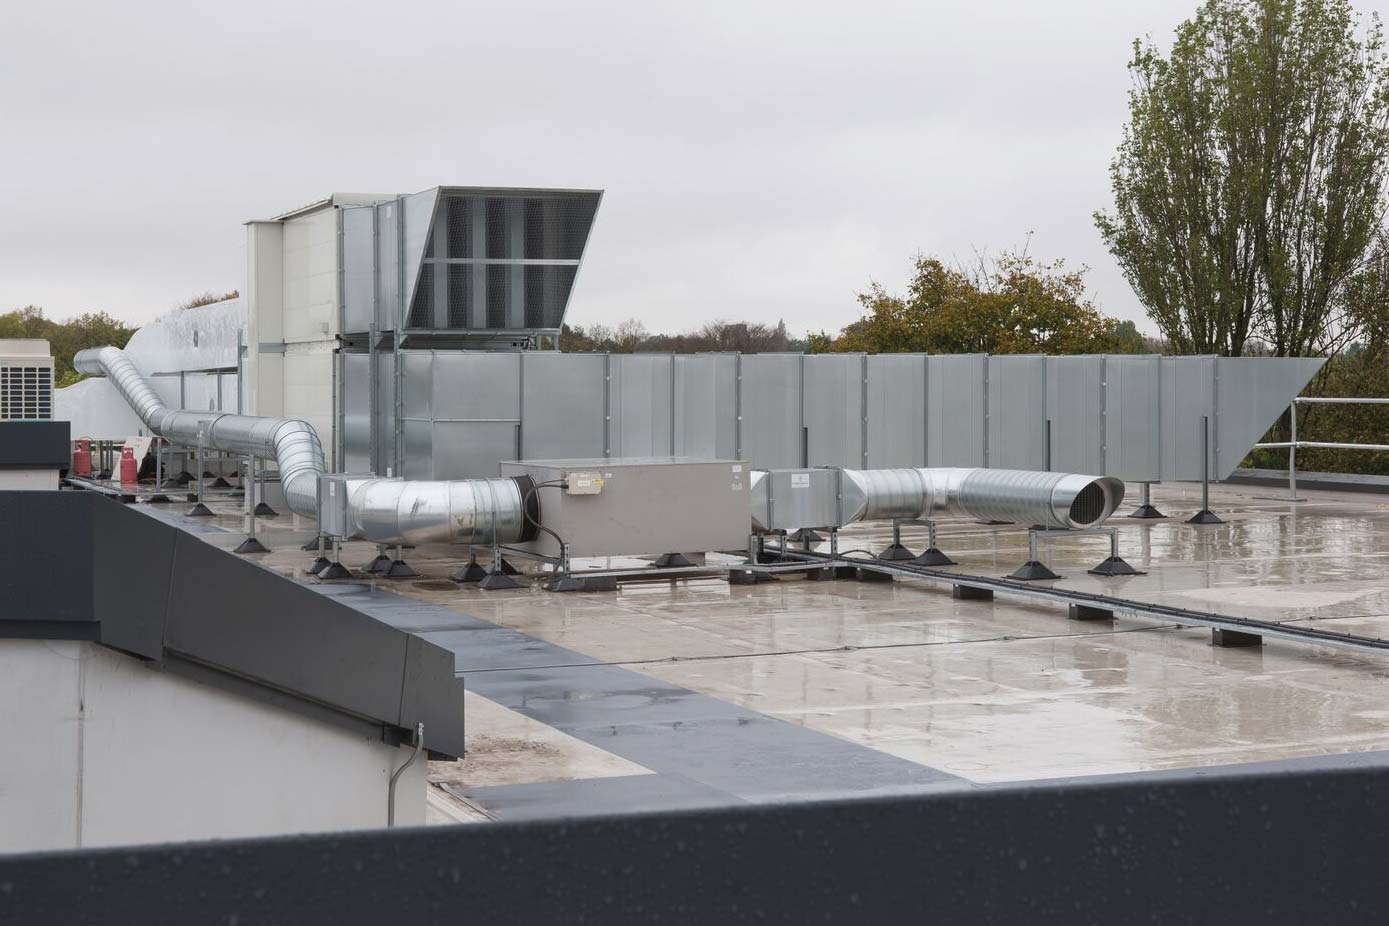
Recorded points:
35,444
84,567
1333,482
1294,845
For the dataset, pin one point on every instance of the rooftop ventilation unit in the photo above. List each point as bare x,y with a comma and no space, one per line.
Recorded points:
26,380
485,265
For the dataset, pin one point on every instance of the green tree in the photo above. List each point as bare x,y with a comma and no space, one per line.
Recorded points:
92,329
1014,305
1249,187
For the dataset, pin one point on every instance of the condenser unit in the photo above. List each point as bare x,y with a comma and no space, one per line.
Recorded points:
26,380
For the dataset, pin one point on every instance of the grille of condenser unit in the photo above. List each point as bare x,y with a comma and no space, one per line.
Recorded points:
501,260
26,391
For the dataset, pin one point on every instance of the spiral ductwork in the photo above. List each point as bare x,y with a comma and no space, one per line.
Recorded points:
1056,500
381,510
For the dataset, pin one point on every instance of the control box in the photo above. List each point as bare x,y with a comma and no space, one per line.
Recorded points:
639,505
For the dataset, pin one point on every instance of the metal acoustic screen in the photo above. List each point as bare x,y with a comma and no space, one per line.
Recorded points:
26,392
501,262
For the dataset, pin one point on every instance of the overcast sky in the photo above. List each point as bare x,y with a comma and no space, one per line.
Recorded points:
760,160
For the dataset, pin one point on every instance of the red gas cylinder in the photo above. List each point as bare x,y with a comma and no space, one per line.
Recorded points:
82,459
130,473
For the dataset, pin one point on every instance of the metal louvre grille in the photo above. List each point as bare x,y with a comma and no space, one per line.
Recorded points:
422,308
476,241
556,229
460,296
547,293
26,393
458,218
497,230
498,295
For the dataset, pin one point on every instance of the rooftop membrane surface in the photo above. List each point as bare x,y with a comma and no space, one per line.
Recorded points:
694,692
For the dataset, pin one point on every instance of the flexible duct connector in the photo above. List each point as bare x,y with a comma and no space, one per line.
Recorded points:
381,510
1055,500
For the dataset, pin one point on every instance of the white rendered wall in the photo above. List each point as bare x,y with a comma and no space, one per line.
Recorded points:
35,480
106,751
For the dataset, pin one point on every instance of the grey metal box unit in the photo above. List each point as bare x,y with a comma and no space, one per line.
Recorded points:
641,505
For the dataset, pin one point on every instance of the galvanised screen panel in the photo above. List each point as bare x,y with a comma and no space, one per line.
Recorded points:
418,438
563,406
385,450
1018,412
834,414
472,449
641,391
1075,407
358,273
388,281
418,217
1251,394
1188,390
354,397
955,410
1133,411
417,384
896,410
770,410
706,406
477,386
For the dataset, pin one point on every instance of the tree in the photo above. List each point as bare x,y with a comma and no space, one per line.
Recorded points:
1009,306
92,329
1249,187
631,336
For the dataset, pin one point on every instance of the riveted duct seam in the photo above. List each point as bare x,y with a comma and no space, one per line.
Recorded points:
382,510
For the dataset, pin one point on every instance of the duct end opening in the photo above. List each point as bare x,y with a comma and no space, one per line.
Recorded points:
1092,499
1089,505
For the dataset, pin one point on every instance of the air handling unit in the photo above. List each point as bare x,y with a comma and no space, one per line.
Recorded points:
342,291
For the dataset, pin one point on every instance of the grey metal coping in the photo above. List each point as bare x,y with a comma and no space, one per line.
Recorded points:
35,444
84,567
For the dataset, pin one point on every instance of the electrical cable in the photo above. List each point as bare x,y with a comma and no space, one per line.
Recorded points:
526,509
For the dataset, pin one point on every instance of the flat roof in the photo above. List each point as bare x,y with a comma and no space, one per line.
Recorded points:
694,692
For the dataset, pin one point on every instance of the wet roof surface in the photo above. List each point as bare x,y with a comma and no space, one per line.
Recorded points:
693,692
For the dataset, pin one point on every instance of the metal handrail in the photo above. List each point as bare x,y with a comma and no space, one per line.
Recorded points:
1292,445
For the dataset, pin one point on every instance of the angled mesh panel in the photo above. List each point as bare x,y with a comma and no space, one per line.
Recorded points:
460,295
547,293
498,295
422,307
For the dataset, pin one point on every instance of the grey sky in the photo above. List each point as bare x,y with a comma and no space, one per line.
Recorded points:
761,160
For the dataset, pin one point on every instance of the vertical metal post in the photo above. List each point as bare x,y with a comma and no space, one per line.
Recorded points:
607,404
1205,463
1205,515
1292,451
250,510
